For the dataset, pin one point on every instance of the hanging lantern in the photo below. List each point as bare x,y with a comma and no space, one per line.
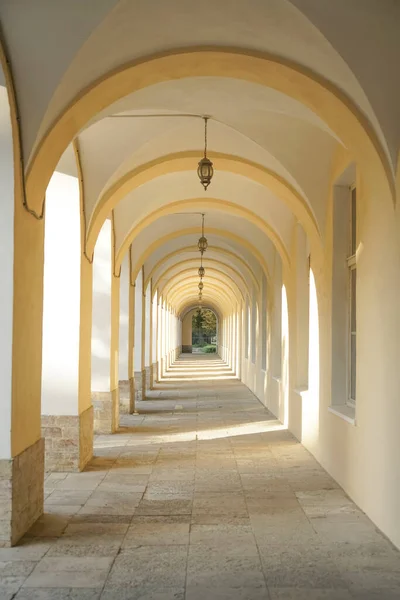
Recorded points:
202,272
201,285
202,243
205,170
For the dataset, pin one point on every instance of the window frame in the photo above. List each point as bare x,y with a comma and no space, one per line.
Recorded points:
352,267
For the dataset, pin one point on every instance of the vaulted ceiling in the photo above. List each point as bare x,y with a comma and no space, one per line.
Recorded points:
94,101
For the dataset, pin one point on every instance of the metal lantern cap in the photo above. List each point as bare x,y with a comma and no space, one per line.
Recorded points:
202,272
205,171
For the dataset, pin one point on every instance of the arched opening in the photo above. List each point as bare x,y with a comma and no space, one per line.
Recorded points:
204,331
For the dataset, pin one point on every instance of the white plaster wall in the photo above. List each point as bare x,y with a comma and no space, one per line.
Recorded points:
124,319
101,317
147,359
137,360
61,297
154,331
6,272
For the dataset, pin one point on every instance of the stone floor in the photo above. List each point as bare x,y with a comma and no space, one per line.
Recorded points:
202,496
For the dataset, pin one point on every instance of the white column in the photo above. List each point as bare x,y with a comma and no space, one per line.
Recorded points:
105,333
154,333
138,335
67,413
124,391
21,270
146,337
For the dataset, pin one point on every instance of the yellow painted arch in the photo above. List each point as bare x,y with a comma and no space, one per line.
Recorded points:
187,161
184,276
214,291
191,302
206,262
216,249
332,105
213,285
198,204
206,305
194,230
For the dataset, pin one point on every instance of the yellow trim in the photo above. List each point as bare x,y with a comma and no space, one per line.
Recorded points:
192,300
207,304
195,249
332,105
221,276
205,204
193,269
193,230
186,161
212,287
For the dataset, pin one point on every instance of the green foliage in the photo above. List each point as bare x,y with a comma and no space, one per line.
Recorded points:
198,320
206,321
209,349
209,323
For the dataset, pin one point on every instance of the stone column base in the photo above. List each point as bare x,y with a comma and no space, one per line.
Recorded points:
132,399
144,386
106,411
21,493
138,385
68,441
148,377
124,396
153,375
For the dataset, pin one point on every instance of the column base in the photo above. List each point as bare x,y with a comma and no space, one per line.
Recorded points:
68,441
106,411
124,396
21,493
153,375
132,402
144,384
138,382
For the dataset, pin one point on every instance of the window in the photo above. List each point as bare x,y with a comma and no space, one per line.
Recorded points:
352,297
344,302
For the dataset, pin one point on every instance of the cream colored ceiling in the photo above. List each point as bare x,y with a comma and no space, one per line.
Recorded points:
57,49
85,42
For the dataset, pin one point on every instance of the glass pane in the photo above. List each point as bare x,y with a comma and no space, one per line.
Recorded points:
353,291
353,221
353,367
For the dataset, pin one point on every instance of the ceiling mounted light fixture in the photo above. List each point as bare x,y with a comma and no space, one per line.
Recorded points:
205,170
202,243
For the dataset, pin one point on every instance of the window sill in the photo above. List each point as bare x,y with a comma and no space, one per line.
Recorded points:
345,412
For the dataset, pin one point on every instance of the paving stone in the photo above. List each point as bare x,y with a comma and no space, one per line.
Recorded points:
159,514
82,572
157,566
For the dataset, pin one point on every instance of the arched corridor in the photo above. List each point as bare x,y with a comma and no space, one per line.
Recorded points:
200,275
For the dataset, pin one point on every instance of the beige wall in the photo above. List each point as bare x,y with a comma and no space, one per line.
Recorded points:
187,328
